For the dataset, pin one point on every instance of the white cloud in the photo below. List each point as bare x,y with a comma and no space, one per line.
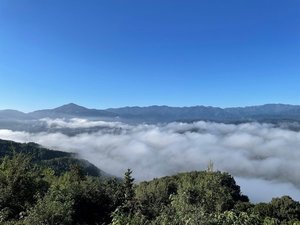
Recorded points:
253,152
78,123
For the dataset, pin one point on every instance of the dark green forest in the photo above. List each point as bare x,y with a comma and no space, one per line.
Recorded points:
41,186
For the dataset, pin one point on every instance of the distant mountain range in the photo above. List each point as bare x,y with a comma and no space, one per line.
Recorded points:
157,114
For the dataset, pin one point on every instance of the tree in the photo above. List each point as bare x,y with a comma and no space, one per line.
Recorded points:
125,214
19,183
285,208
128,186
56,207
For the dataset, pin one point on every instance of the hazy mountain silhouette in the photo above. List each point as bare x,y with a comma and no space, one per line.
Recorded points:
159,114
71,110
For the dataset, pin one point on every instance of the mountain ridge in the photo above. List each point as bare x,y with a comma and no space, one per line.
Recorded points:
163,113
73,106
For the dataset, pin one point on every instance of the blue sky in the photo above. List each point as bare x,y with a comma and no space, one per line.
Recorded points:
117,53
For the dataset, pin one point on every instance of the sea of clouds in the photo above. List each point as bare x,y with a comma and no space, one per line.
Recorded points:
263,158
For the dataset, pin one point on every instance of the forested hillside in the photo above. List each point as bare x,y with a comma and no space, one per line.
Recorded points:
58,161
34,190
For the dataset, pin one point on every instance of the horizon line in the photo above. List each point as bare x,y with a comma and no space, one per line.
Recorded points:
147,106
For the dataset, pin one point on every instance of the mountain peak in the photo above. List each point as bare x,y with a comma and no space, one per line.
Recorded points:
71,104
71,107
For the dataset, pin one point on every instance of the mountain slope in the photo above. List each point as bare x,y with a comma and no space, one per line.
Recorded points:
71,110
59,161
243,114
169,114
12,114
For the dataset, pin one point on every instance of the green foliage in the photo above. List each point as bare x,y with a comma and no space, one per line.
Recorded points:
263,210
75,199
285,208
34,195
20,181
58,161
206,191
56,207
207,198
128,186
126,213
154,196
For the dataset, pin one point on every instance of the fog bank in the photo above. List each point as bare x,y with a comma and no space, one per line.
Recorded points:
259,155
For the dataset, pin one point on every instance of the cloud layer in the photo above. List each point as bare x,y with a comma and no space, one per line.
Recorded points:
260,155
